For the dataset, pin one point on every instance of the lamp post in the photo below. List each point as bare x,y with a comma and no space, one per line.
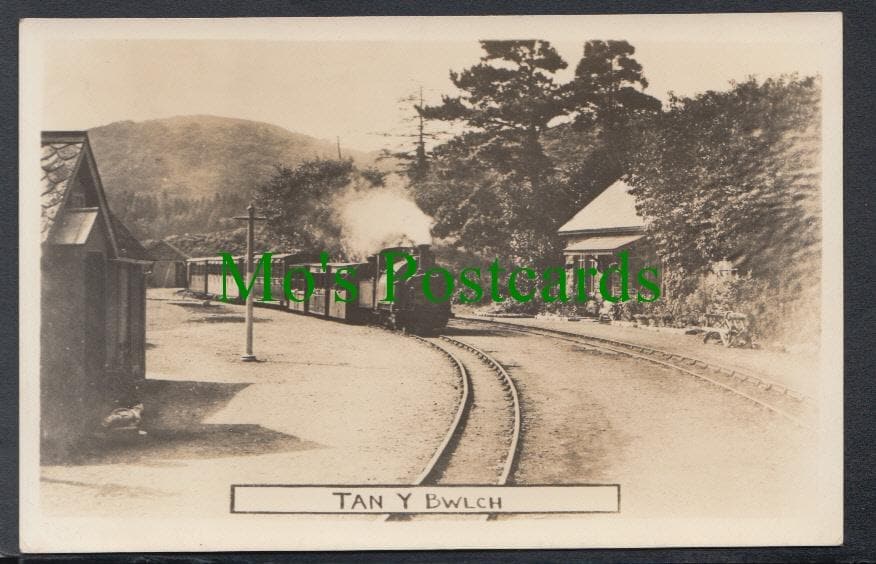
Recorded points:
251,218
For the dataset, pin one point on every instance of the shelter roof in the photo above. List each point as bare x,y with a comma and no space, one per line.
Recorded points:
162,250
61,152
129,247
614,208
74,227
601,243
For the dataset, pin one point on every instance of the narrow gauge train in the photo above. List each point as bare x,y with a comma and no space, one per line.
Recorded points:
409,310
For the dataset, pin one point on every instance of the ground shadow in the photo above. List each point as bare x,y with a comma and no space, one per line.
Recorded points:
214,312
475,332
173,417
191,304
224,319
222,316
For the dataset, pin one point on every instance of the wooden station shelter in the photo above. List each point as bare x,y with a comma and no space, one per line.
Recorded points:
93,296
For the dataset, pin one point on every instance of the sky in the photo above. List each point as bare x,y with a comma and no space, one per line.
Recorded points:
343,79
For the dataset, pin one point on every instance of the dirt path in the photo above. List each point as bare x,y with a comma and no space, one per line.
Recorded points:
797,371
678,447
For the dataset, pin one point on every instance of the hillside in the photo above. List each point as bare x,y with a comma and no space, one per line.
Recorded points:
154,171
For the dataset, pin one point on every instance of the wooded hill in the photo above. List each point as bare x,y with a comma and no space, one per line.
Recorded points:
187,174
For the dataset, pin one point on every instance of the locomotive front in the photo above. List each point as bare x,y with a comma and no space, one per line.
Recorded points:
423,315
409,309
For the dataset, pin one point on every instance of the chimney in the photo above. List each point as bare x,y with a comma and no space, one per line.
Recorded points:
425,256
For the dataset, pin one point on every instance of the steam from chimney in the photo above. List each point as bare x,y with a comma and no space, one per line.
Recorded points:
375,218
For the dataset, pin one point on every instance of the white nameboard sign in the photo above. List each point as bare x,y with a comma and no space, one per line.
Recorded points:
425,499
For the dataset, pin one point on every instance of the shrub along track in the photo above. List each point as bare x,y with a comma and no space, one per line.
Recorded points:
481,445
790,405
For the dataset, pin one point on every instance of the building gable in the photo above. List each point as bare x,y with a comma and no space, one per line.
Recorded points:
612,211
73,200
162,250
60,161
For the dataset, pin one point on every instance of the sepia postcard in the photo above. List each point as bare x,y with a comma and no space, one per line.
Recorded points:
431,282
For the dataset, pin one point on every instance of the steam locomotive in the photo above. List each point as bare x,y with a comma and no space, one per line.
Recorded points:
409,310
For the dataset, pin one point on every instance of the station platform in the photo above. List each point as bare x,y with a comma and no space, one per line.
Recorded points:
325,403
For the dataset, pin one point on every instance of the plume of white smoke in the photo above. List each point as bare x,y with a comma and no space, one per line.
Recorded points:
375,218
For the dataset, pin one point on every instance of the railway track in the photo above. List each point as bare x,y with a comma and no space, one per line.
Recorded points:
797,408
482,443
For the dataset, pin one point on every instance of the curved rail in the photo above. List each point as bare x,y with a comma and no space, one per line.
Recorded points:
649,354
435,464
455,425
432,466
508,384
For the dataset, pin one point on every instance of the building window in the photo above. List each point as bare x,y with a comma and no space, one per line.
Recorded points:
581,264
615,281
77,199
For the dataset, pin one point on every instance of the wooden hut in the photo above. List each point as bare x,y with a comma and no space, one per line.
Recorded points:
169,268
93,296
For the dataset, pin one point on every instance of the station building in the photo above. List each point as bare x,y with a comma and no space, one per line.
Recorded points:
603,228
169,268
93,296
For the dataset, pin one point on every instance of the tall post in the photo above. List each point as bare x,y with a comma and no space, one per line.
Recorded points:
421,138
250,243
250,218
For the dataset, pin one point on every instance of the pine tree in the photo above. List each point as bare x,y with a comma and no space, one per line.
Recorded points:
511,95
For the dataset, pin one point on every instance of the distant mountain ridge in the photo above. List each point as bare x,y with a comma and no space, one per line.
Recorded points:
200,155
189,174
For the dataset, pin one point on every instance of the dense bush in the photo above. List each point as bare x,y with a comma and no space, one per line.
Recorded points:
736,175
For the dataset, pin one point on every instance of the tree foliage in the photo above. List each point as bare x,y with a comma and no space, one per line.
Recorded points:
155,215
733,175
608,86
512,89
517,172
736,175
298,203
512,95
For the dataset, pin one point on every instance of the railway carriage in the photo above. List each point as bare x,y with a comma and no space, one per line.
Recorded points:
196,275
316,303
280,263
205,276
409,310
298,289
341,304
